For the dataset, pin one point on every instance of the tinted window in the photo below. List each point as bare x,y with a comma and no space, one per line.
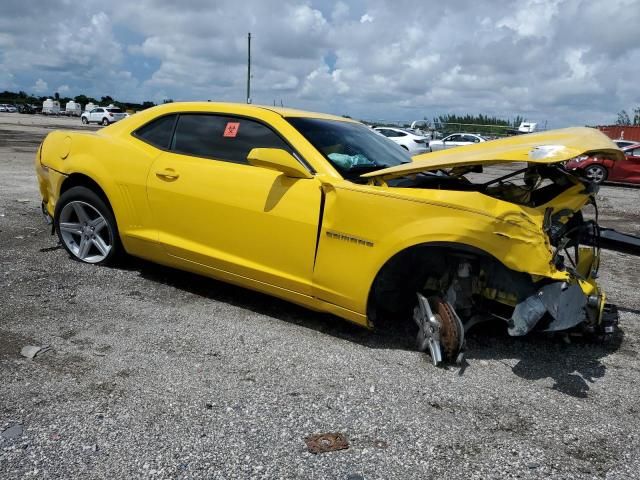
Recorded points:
114,110
223,138
158,132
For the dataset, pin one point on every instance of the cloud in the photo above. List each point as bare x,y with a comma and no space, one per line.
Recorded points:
40,86
561,61
366,18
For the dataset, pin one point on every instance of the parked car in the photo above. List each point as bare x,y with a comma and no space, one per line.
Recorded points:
10,108
411,142
455,140
29,108
625,143
103,115
321,211
599,168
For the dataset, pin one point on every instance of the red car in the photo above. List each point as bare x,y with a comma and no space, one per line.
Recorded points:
598,169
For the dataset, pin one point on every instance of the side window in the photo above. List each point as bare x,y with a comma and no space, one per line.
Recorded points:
469,138
222,138
385,132
157,132
454,138
400,134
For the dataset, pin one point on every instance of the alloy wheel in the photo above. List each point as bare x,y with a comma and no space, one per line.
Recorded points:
85,232
595,173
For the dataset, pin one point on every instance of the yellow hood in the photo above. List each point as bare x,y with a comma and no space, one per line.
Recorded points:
552,146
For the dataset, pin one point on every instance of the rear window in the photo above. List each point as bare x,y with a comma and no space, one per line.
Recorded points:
158,132
114,110
222,137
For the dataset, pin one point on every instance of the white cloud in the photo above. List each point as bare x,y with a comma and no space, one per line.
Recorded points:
366,18
40,86
565,61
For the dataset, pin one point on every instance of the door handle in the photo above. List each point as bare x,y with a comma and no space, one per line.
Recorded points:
168,174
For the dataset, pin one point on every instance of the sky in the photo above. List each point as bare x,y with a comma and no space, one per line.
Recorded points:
564,62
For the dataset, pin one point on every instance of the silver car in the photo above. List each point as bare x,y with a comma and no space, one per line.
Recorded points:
455,140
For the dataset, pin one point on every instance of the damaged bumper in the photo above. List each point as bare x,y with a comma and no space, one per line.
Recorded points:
563,306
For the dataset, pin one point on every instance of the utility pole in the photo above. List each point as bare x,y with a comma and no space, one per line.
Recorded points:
249,68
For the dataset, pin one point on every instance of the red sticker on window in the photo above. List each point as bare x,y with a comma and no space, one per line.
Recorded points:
231,130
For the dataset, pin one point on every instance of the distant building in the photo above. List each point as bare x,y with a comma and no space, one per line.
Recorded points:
617,132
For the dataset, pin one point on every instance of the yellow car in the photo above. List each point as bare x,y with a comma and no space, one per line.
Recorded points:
323,212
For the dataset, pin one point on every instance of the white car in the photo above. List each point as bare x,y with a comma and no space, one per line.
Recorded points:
103,115
411,142
621,143
455,140
8,108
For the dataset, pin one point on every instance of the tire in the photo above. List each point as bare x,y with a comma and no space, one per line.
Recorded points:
596,173
84,120
86,227
105,121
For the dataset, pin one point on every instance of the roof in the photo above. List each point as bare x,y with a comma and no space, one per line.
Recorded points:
552,146
244,107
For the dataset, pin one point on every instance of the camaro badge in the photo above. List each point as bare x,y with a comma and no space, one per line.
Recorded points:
349,238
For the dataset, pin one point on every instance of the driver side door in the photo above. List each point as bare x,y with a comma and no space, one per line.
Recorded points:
213,209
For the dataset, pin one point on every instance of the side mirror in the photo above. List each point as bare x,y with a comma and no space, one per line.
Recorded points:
279,160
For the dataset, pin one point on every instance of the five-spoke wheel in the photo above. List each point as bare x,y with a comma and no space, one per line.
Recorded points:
596,173
86,226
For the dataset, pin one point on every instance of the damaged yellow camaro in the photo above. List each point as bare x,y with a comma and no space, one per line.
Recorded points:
321,211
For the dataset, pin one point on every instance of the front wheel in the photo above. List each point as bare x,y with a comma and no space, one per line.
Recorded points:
105,121
596,173
87,227
85,121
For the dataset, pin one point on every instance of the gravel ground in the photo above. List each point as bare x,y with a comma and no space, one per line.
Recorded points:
157,373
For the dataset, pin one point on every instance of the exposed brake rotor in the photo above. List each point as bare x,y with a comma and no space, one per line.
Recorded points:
451,330
442,332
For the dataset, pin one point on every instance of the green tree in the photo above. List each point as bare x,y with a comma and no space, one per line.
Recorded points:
623,118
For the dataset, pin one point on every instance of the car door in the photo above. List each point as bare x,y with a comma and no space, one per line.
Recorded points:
214,209
452,141
96,115
628,169
469,139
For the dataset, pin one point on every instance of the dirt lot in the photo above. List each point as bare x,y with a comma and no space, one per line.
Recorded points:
157,373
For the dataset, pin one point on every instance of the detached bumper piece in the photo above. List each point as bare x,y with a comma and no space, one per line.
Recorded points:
563,307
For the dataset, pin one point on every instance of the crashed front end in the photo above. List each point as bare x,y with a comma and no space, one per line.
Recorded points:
545,245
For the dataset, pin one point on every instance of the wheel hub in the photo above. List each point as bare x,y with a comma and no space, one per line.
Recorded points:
442,332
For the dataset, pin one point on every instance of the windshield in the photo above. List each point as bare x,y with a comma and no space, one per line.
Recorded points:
352,148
